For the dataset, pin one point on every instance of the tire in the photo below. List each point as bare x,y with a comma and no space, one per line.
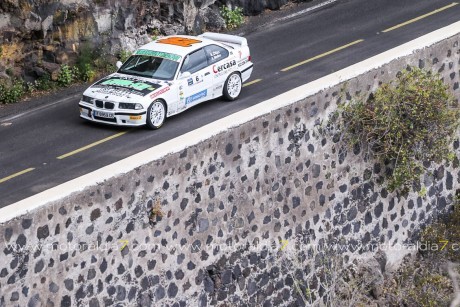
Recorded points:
156,114
233,86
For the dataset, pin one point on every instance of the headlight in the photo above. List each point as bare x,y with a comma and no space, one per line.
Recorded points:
130,106
87,99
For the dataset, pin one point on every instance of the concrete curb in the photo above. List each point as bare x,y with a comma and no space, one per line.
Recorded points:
196,136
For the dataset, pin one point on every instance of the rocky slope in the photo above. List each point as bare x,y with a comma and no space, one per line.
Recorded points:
37,36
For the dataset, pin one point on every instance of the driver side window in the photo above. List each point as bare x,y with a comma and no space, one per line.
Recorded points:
194,62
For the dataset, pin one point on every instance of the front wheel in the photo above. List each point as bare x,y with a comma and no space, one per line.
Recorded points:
232,87
156,114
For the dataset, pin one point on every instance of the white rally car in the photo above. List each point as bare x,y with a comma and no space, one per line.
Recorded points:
168,76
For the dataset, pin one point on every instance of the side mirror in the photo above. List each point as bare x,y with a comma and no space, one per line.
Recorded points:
184,75
119,64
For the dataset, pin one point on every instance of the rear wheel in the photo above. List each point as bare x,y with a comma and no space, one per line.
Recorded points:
232,87
156,114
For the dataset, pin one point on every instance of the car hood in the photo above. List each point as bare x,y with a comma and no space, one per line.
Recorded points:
120,87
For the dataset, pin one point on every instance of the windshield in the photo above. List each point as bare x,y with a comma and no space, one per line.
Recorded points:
150,67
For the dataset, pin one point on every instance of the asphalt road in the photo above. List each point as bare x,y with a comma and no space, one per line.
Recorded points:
31,144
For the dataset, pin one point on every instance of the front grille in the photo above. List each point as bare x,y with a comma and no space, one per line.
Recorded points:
112,120
105,105
100,104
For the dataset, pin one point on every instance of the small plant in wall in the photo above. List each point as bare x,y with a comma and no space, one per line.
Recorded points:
233,18
406,123
155,34
156,213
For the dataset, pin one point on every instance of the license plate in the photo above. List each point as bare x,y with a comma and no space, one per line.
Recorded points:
103,114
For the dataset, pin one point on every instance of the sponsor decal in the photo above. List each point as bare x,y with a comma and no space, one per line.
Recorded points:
137,117
242,62
215,55
222,68
219,68
218,87
113,91
196,97
179,41
127,85
164,55
159,92
195,80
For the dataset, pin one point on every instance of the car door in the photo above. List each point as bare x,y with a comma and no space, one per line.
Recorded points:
197,87
217,58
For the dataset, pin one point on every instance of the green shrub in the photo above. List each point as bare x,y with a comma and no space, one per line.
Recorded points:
405,124
9,72
155,33
66,76
105,66
105,63
86,55
444,235
44,83
233,18
124,55
88,73
85,63
11,92
421,284
31,87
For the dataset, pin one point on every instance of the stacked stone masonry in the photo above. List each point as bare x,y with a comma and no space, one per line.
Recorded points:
258,188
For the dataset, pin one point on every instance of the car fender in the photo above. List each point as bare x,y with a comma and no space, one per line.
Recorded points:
169,95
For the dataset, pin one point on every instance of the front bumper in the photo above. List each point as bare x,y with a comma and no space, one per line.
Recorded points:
118,118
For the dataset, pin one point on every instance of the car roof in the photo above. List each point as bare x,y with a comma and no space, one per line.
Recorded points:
178,44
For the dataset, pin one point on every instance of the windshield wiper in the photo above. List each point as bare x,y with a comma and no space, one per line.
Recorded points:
131,73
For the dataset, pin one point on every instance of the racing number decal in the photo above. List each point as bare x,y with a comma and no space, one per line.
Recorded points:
179,41
197,79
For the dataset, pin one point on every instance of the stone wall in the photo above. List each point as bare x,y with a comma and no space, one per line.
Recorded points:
260,191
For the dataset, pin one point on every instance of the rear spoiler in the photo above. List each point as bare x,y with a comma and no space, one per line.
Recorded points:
225,38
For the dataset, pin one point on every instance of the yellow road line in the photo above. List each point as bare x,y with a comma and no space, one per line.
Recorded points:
421,17
252,82
323,54
91,145
16,174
